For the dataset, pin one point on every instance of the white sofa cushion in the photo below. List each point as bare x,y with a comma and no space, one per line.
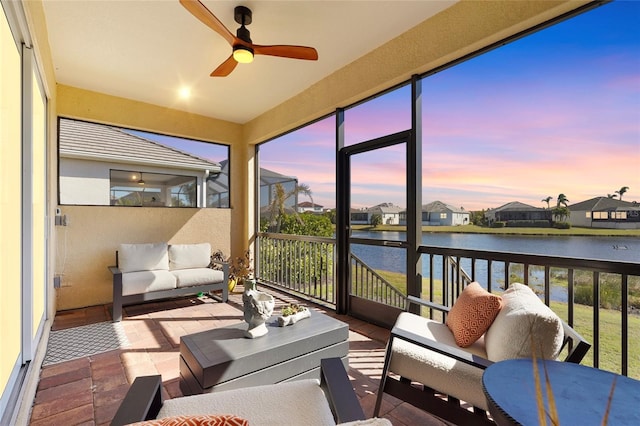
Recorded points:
197,276
299,402
436,370
147,281
523,323
143,257
187,256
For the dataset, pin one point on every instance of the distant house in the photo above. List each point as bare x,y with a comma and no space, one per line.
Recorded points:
307,206
604,212
389,213
516,211
438,213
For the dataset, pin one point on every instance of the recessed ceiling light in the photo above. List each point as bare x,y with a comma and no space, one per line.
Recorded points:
185,93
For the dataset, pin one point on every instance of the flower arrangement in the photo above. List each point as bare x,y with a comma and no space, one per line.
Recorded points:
240,267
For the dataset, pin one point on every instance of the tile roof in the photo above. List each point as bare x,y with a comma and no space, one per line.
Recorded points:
99,142
514,206
439,206
602,204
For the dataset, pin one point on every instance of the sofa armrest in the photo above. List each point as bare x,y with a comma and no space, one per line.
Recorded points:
225,267
142,401
441,348
427,304
339,391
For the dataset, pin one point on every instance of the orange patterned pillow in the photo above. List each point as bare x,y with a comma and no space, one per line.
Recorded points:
211,420
472,314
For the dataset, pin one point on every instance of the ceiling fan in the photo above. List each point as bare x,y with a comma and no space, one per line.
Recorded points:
243,47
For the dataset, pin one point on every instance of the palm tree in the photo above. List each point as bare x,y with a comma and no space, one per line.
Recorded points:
561,213
622,191
611,195
277,207
547,200
562,199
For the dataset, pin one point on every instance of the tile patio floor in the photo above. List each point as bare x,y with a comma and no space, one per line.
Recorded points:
88,391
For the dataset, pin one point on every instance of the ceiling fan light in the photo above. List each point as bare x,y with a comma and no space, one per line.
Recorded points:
242,54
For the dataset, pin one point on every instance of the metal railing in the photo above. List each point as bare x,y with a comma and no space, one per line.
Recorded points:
368,284
300,264
593,296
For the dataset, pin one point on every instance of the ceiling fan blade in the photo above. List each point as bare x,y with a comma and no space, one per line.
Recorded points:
199,10
225,68
284,51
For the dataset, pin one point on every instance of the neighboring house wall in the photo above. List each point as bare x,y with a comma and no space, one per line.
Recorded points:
628,219
447,218
86,182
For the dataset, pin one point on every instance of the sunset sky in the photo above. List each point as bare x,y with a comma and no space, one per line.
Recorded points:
555,112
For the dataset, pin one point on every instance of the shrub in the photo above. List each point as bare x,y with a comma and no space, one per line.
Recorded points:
307,224
562,225
498,224
528,224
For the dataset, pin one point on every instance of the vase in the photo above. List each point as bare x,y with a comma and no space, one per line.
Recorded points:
258,307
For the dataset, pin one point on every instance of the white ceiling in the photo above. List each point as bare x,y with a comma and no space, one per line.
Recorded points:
147,50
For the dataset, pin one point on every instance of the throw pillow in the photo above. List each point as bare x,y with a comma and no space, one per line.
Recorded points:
472,314
523,325
202,420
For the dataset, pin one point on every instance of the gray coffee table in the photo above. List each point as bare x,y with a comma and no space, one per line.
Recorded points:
223,359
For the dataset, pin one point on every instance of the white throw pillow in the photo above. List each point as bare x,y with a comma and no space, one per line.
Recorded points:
143,257
524,323
187,256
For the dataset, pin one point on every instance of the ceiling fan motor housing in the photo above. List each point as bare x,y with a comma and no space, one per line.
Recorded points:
242,15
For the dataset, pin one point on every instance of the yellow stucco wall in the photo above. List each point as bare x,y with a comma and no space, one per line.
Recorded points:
87,245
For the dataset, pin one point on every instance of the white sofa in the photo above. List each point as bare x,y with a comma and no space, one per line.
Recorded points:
158,270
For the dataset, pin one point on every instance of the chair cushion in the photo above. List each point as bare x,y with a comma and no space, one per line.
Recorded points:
524,323
147,281
187,256
472,314
217,420
197,276
299,402
143,257
435,370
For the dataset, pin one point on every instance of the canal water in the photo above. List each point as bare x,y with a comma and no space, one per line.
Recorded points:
625,249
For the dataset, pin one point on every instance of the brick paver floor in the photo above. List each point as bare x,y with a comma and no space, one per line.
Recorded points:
88,391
